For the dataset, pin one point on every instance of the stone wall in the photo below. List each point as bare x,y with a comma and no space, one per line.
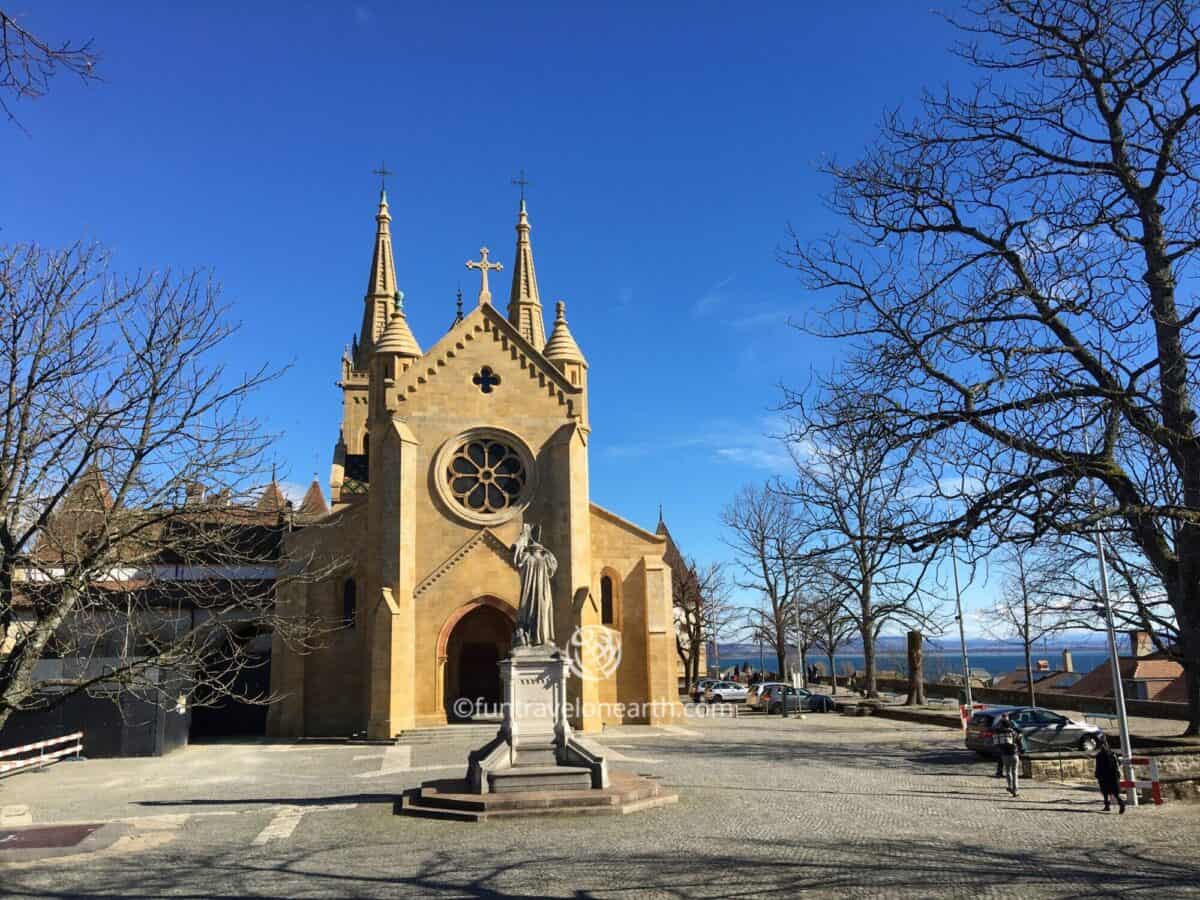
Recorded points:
1151,709
1081,766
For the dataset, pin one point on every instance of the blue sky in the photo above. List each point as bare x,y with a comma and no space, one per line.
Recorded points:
668,147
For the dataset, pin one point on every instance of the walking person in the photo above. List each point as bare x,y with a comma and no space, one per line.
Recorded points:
1108,775
1009,739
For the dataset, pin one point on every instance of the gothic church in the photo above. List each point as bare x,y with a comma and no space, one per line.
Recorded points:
443,454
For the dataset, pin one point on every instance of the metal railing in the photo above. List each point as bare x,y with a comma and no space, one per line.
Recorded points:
43,756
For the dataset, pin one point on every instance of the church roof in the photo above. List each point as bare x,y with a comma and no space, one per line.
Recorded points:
562,347
272,499
314,504
486,320
611,516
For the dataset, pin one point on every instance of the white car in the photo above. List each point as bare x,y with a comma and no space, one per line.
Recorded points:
725,692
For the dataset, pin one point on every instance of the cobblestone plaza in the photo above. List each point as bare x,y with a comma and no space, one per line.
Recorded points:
827,805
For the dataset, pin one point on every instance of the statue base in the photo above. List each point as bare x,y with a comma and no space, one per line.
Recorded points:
535,748
535,765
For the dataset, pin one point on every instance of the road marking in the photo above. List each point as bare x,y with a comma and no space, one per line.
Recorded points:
281,826
368,756
395,760
288,817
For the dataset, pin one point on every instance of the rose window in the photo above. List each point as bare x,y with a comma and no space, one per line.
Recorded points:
486,476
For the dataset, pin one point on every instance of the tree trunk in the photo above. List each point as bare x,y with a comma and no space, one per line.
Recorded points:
1189,647
870,688
832,672
916,671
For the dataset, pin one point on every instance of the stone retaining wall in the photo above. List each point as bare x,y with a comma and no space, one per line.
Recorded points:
1151,709
1082,766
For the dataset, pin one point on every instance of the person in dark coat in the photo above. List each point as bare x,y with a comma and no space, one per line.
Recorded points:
1011,744
1108,775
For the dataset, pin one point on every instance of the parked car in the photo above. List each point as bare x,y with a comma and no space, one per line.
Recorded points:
725,692
701,686
754,697
1043,729
797,699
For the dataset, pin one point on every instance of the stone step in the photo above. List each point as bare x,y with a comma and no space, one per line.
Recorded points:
517,800
449,799
540,778
546,757
443,733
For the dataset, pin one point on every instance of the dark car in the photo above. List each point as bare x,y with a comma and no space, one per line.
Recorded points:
775,695
1043,729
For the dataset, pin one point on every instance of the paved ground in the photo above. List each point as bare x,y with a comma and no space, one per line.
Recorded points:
768,808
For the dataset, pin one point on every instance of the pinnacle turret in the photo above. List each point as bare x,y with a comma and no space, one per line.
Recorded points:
561,348
524,304
381,287
397,338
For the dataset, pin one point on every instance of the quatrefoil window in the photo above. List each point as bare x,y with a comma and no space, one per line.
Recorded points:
486,476
486,379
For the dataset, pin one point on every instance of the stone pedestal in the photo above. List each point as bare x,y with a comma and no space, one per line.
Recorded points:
535,748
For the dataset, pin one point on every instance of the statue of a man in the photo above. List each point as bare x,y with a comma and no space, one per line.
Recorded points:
535,617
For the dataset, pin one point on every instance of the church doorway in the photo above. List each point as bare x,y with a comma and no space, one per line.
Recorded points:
480,639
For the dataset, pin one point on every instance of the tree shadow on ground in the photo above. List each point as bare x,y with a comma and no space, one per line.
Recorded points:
743,868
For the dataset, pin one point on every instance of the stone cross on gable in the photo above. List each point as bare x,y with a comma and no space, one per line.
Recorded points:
482,264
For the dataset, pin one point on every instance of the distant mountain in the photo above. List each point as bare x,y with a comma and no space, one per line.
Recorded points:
896,644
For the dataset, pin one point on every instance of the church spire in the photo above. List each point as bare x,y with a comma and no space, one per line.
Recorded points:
524,305
381,288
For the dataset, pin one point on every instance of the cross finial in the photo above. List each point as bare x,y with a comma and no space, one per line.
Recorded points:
523,183
383,172
482,264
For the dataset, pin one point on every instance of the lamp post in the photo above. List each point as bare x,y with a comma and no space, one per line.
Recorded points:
962,635
1114,658
1115,662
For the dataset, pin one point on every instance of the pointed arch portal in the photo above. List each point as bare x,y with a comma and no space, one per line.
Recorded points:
472,643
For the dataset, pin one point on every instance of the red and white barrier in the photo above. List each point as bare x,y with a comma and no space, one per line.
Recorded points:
43,757
1152,782
965,712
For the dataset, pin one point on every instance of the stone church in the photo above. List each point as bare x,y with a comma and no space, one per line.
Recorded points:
442,455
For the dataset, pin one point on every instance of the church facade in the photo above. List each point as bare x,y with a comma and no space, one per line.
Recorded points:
442,456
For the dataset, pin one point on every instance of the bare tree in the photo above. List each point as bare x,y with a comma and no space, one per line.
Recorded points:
856,503
702,610
113,411
1029,606
834,629
1010,278
28,62
762,532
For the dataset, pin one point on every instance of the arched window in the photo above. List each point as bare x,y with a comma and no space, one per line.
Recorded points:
349,601
606,600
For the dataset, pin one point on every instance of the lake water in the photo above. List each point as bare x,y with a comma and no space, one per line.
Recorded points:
994,662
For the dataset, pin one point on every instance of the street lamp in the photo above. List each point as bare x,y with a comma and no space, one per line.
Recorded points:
962,635
1115,662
